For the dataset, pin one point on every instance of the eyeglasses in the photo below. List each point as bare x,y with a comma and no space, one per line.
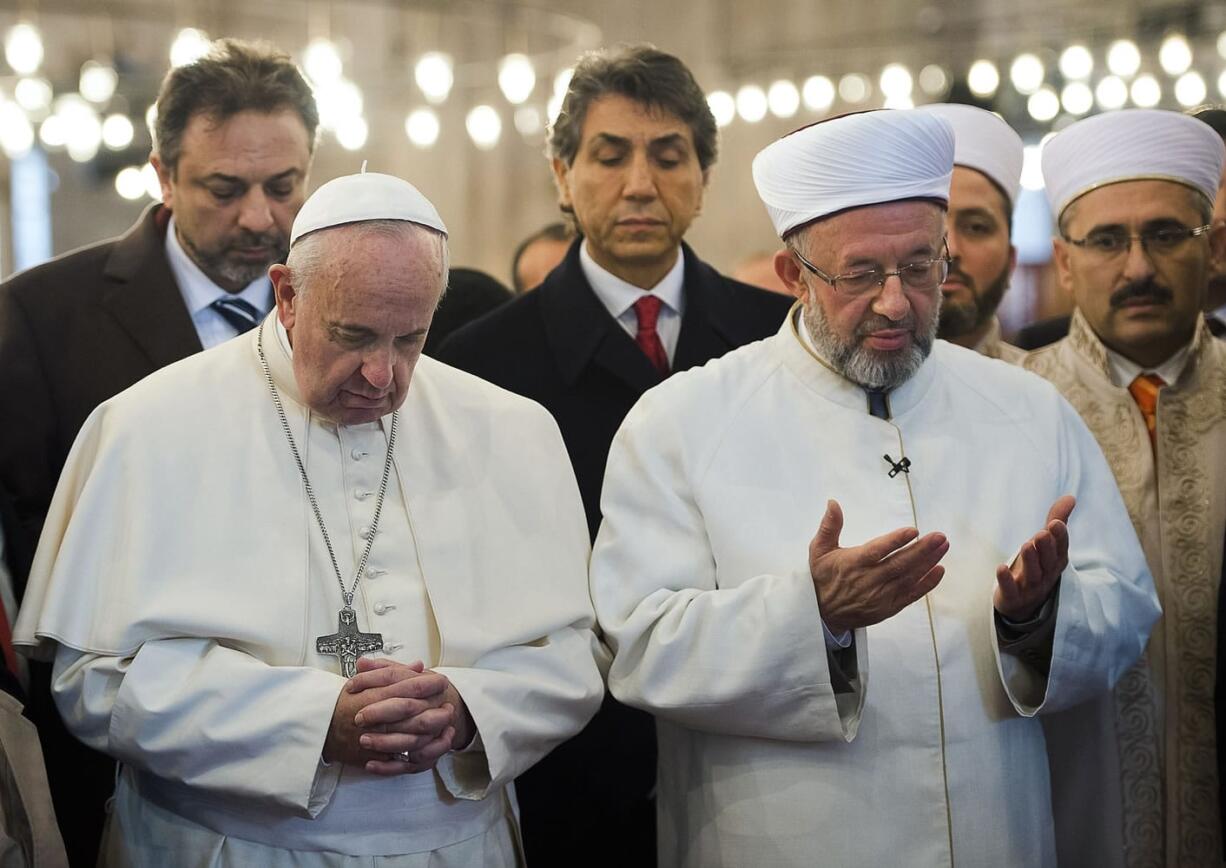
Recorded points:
1162,241
925,276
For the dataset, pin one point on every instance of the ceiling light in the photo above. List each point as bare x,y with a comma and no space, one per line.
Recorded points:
818,93
983,78
434,76
751,103
422,127
1123,58
484,126
783,99
516,78
722,106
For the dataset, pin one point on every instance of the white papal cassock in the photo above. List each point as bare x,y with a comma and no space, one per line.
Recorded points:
715,486
181,583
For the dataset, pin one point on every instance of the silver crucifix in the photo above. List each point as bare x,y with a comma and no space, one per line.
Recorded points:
348,643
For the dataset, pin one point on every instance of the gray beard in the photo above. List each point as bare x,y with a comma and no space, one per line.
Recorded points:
864,367
225,273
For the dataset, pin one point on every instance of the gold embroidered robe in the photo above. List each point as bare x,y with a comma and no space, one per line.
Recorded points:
1155,779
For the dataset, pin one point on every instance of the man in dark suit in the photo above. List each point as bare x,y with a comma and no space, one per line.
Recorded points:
233,141
631,152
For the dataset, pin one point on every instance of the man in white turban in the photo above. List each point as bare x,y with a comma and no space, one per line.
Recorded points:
1132,193
842,568
987,178
322,618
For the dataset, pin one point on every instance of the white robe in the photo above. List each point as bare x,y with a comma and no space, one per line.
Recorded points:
715,485
181,582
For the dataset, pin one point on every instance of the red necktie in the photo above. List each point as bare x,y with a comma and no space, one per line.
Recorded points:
647,310
1144,390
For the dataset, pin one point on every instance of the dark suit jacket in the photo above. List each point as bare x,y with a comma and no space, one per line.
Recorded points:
559,346
74,332
470,294
1041,333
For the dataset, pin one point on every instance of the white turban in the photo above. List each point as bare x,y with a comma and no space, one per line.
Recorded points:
985,143
358,198
1131,145
852,161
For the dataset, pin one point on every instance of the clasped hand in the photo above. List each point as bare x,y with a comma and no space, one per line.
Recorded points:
389,708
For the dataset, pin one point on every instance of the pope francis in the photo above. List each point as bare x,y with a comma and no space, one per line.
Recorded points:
322,618
864,695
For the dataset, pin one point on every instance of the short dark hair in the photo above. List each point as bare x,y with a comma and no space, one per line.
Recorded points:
234,76
644,74
560,231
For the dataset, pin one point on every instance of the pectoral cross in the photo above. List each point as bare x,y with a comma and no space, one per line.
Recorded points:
348,643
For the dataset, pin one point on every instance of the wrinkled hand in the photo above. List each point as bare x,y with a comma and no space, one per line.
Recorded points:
868,583
410,710
342,744
1022,587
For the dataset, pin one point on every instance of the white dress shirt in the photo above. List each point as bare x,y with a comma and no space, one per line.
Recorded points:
199,293
1124,371
619,297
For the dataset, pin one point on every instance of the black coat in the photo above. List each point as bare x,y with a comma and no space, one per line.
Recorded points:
590,801
559,346
74,332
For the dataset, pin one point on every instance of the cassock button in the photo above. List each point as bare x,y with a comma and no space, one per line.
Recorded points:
372,573
358,454
362,494
383,608
364,533
393,647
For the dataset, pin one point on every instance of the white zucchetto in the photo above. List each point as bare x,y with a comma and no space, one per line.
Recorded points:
362,197
855,160
985,143
1131,145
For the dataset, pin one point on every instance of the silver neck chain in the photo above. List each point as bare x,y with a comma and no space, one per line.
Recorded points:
346,593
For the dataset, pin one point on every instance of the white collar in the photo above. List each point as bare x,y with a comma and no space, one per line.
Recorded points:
619,296
1124,371
199,292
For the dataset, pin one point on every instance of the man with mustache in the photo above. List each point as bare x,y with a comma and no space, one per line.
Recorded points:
987,178
1132,192
842,565
233,141
631,303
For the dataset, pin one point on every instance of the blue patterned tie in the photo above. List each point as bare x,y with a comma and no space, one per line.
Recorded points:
238,313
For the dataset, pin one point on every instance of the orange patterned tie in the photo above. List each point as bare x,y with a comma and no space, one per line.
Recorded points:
1144,390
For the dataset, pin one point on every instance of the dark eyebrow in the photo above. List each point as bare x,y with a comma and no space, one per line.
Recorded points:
672,140
975,211
232,179
1106,227
1163,223
608,139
